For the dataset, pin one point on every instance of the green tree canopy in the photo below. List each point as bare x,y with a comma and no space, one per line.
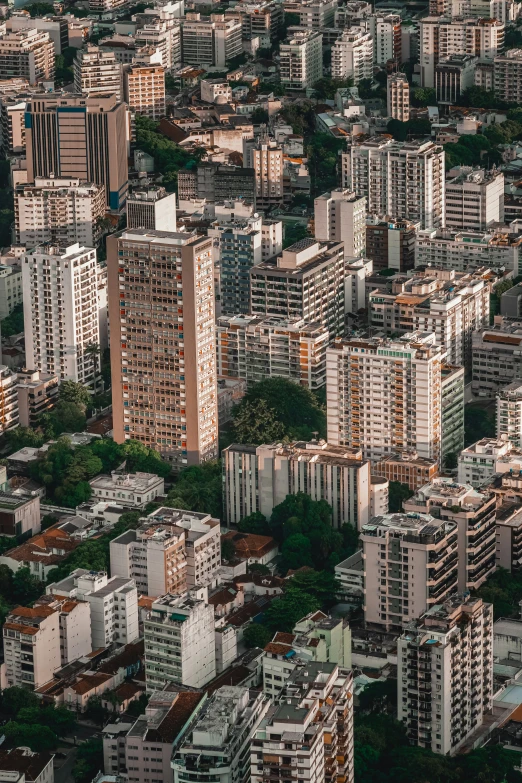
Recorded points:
296,552
283,402
321,585
256,635
89,761
15,699
284,612
70,391
255,523
38,738
396,494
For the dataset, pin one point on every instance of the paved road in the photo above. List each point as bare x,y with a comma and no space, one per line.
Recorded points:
63,774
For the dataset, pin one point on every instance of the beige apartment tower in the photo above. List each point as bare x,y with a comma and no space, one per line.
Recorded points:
163,347
144,84
398,93
73,136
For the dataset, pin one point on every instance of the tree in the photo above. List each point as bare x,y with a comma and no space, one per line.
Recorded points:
199,488
294,232
70,391
38,738
256,423
396,494
139,457
479,423
260,116
327,87
26,587
6,579
95,711
15,699
299,514
138,706
48,520
93,350
67,416
296,552
424,96
294,407
255,523
379,697
451,461
256,635
284,612
20,437
228,550
14,323
321,585
89,761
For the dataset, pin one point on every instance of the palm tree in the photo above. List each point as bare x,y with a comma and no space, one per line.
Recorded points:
94,350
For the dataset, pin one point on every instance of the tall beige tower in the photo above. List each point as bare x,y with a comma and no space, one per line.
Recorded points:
163,347
97,71
398,93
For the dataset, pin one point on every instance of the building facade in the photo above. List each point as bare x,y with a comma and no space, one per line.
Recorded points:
340,216
385,396
183,426
61,311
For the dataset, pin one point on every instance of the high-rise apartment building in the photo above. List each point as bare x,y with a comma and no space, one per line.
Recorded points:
399,179
507,76
267,162
398,97
96,130
390,243
352,55
453,76
452,385
407,468
211,40
9,411
474,514
31,646
151,208
99,6
310,729
259,478
172,551
509,413
144,84
61,311
474,198
36,395
306,282
410,565
385,30
496,356
162,35
97,72
179,642
384,396
163,352
441,37
451,305
28,54
256,347
59,211
313,14
218,743
113,602
340,216
75,626
466,250
301,63
239,249
445,673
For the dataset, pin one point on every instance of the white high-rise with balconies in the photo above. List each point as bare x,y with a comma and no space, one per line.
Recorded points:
61,311
340,216
352,55
410,564
404,180
445,673
96,71
301,63
385,396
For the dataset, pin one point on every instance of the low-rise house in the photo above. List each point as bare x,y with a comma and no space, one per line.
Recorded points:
128,489
253,548
41,553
